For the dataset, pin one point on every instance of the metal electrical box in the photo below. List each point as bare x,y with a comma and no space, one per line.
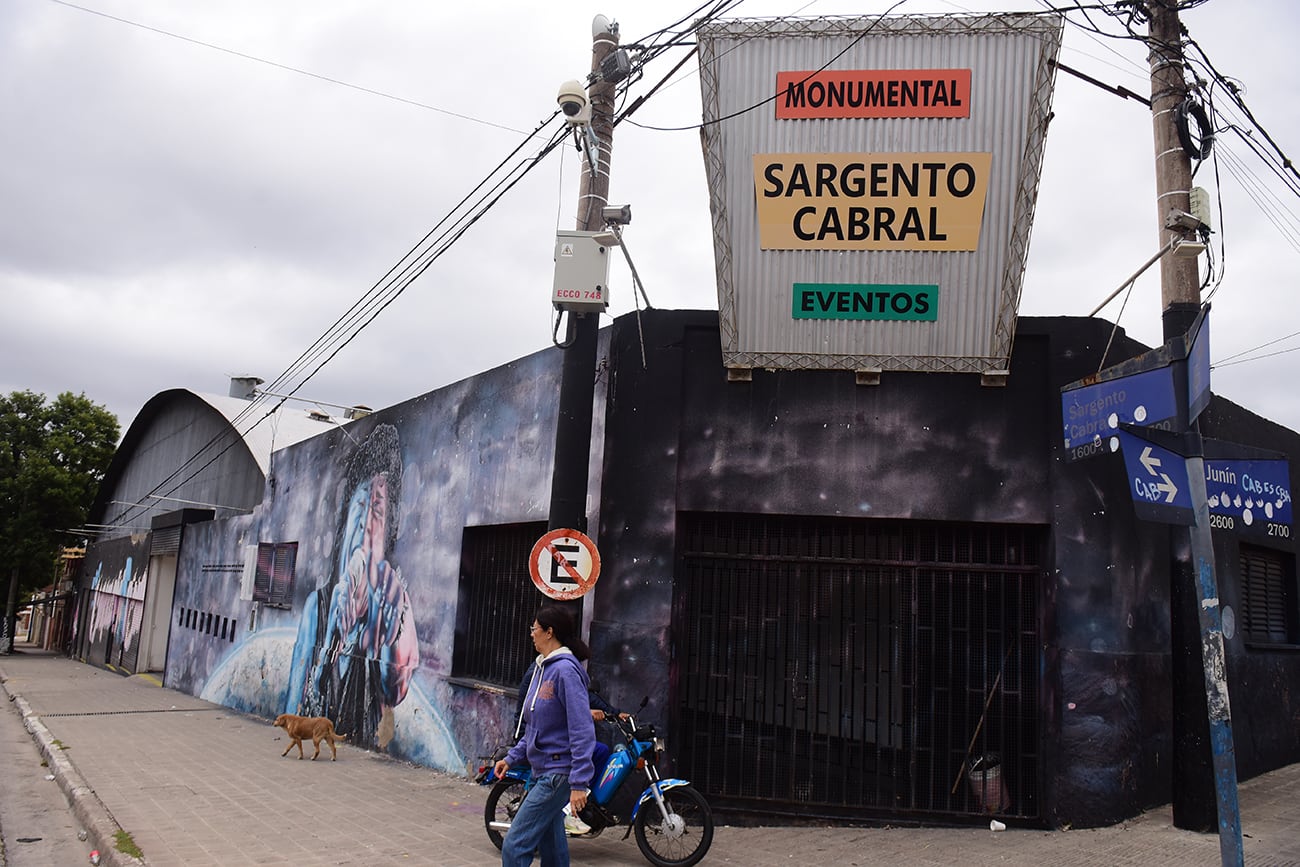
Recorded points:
581,272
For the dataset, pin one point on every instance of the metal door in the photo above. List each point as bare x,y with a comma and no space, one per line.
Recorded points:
859,667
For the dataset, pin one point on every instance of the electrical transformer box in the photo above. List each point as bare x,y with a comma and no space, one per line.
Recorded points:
581,272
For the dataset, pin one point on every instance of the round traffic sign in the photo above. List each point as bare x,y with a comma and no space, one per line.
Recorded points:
564,564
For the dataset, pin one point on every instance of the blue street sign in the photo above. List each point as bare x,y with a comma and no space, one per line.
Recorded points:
1249,496
1093,413
1157,481
1198,369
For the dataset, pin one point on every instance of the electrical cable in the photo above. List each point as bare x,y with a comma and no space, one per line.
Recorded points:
774,96
344,329
1258,357
1258,191
284,66
351,323
1196,146
1236,98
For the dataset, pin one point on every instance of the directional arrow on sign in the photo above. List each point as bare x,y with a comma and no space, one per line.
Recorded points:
1150,461
1167,486
1158,480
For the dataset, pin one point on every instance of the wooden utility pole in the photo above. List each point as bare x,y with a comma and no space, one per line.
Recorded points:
1204,773
578,377
1180,281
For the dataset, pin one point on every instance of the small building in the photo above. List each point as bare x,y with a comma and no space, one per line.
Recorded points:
836,597
186,457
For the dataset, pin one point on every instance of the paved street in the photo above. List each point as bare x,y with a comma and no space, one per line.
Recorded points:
194,783
36,827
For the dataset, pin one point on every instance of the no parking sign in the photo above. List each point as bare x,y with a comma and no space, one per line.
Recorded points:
564,564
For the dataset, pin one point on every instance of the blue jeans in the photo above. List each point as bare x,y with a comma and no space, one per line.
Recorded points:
539,825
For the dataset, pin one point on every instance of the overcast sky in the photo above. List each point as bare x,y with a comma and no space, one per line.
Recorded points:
180,203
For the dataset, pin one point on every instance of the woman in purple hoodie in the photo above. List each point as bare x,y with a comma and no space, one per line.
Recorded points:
558,743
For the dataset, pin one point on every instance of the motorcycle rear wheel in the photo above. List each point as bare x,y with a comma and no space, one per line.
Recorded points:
681,840
502,804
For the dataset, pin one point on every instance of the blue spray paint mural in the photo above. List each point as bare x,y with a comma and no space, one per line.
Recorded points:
377,509
356,648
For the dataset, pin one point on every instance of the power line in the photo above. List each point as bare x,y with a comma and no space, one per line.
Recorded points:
1257,357
1230,359
346,328
774,96
283,66
380,295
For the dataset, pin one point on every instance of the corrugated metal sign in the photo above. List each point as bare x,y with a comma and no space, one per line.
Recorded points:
872,182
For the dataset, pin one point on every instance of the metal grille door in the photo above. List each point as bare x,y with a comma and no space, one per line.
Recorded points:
859,667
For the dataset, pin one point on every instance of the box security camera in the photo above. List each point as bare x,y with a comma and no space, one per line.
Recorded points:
620,215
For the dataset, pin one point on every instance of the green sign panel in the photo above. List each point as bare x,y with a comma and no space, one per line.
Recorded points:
908,301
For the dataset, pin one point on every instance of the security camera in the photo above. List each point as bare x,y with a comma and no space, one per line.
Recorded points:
573,102
618,216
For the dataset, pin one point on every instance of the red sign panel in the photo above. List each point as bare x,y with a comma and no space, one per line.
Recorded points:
841,93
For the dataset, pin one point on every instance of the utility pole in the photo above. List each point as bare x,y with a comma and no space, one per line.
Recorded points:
1204,794
1180,279
578,377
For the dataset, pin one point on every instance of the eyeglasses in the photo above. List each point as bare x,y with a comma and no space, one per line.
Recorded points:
534,628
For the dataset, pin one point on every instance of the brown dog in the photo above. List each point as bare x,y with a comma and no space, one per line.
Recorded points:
299,728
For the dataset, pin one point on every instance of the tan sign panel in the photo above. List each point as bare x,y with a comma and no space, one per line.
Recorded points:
910,201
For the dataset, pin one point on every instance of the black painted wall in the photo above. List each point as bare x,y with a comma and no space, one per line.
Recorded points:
680,437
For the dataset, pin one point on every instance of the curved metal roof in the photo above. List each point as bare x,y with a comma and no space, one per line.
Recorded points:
260,427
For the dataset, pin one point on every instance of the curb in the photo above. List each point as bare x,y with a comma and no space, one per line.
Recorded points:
101,827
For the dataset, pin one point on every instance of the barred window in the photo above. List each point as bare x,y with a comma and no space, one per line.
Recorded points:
1268,596
273,577
496,604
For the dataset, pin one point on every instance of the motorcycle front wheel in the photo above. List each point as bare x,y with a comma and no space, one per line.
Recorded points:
502,804
681,839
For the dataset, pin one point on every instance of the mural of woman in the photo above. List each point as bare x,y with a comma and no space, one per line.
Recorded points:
356,647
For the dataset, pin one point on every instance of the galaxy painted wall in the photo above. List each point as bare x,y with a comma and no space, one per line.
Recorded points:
681,438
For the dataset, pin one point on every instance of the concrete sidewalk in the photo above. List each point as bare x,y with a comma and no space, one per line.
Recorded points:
198,784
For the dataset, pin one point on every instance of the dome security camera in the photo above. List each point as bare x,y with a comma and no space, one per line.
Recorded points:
573,102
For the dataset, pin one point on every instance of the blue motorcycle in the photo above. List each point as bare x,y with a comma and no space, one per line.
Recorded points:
673,822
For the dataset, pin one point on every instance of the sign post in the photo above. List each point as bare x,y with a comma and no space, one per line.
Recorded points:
1145,408
1215,664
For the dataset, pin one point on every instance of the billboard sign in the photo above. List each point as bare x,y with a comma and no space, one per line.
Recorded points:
850,157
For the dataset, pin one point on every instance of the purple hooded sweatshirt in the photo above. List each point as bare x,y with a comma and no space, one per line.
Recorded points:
560,734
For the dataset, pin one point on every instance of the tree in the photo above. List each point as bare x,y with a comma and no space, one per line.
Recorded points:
52,459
